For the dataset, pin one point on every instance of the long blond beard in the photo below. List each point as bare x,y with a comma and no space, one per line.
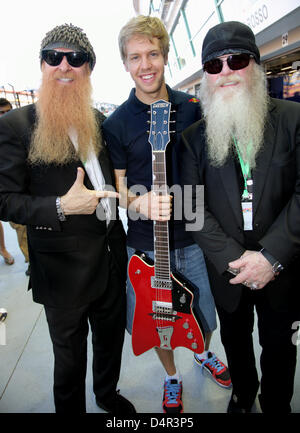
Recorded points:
58,109
235,112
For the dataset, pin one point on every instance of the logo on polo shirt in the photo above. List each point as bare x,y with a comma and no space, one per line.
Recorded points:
194,100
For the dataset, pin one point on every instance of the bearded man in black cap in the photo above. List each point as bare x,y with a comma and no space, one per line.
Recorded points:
246,153
56,178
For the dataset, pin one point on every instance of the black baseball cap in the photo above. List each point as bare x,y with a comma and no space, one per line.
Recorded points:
229,37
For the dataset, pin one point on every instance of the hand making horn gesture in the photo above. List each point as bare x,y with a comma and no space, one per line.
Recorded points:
80,200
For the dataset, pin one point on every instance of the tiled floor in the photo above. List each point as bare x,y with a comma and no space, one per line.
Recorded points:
26,361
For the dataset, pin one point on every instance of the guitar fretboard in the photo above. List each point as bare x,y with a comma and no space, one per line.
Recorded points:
161,229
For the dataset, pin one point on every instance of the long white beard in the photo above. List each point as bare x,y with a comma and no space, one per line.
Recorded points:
238,112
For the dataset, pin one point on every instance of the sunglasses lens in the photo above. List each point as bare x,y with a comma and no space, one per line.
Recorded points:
238,61
235,62
213,66
77,58
74,58
53,58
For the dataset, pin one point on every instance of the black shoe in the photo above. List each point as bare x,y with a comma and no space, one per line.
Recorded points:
235,407
118,405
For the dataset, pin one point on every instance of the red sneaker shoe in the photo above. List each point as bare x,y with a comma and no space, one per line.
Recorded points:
216,368
172,402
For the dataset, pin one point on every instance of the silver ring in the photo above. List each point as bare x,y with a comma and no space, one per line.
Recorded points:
254,286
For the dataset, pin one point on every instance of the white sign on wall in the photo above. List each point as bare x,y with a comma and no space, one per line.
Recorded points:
258,14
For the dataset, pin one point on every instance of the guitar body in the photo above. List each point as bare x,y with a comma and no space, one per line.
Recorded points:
163,318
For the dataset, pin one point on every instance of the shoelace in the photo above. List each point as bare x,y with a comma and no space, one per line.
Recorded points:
214,362
172,391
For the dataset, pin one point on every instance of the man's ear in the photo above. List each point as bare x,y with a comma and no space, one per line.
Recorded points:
166,59
125,66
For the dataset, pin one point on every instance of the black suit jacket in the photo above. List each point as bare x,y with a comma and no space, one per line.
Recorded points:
69,260
276,206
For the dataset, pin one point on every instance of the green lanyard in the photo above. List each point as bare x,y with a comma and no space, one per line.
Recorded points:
244,167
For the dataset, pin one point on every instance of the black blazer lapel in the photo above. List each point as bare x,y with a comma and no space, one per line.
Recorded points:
263,162
106,167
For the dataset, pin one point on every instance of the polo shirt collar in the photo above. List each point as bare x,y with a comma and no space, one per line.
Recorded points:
138,106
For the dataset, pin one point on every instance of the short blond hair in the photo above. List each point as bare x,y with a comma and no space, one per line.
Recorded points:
142,25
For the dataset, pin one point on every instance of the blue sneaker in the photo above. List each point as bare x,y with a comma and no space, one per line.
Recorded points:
216,368
172,399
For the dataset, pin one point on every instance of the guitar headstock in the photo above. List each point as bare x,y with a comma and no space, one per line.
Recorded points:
159,135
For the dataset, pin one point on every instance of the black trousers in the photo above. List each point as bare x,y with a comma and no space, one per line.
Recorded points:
278,356
69,330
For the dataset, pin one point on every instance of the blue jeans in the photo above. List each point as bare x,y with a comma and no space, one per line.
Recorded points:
189,261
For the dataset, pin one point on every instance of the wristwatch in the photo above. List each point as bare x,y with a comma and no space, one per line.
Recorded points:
60,213
276,265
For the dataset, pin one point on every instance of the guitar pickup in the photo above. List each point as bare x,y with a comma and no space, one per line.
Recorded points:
163,311
163,307
157,283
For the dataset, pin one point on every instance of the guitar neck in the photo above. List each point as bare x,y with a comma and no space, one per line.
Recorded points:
160,228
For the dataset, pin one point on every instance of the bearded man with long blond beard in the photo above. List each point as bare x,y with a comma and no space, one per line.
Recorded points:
56,178
246,153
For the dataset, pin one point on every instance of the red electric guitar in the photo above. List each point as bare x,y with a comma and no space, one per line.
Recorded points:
164,315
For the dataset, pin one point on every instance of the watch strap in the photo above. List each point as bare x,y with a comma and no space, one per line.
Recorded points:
268,256
276,265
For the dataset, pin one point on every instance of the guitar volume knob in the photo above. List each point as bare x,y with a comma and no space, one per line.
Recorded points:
183,298
190,335
194,345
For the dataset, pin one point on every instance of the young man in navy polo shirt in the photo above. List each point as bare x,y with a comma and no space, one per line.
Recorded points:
144,46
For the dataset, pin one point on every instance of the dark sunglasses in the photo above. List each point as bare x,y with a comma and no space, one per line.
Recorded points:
74,58
234,62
